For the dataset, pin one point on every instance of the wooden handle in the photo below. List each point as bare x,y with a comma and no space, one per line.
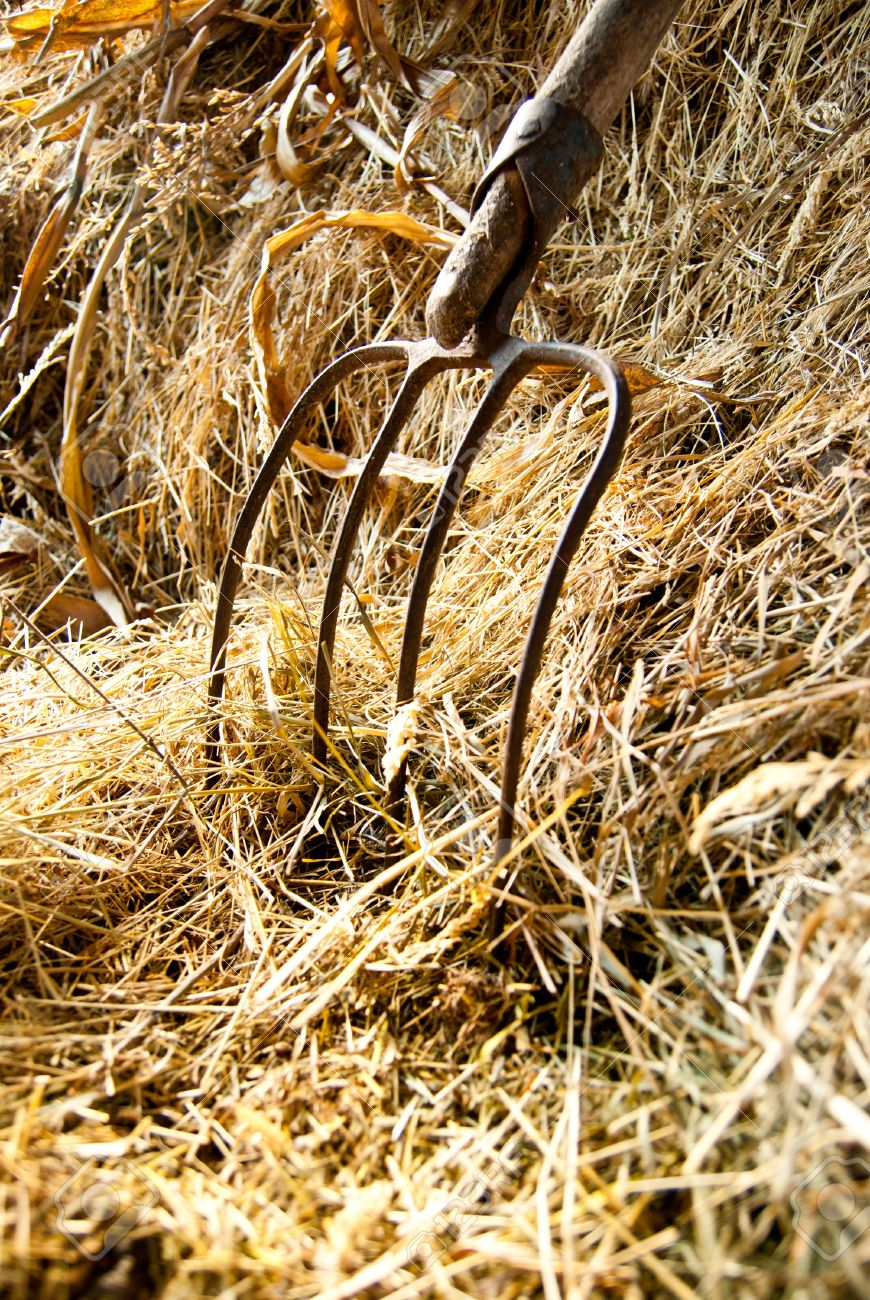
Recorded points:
609,52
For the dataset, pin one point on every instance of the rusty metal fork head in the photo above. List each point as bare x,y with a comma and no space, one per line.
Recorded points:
548,147
510,360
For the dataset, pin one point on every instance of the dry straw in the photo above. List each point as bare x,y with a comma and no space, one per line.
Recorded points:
234,1061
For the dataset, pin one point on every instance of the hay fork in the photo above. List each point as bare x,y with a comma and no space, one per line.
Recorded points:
551,148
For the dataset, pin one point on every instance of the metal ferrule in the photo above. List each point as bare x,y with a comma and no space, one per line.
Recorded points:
554,148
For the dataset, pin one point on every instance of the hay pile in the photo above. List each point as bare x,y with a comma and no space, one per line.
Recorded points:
232,1062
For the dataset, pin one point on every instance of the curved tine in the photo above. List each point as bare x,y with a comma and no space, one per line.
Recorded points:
619,415
515,367
397,417
319,388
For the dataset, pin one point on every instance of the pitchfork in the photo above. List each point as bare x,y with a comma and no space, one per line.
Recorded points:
551,148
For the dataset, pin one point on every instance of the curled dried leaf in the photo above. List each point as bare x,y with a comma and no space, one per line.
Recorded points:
23,107
773,788
108,590
282,245
48,242
18,543
293,168
638,377
82,21
38,266
442,103
80,614
335,464
74,486
71,131
359,23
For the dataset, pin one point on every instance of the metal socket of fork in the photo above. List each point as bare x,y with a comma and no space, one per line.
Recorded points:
555,149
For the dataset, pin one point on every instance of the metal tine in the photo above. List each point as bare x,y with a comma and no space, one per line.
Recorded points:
511,363
319,388
424,363
603,468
